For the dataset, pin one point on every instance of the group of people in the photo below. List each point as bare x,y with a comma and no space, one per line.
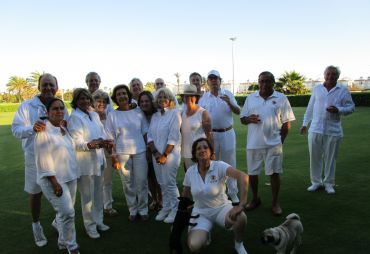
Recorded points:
145,137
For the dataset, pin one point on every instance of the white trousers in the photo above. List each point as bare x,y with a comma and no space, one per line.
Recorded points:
64,207
166,177
91,190
134,177
225,146
108,183
323,149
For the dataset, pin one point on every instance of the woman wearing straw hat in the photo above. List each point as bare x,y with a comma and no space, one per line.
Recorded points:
196,123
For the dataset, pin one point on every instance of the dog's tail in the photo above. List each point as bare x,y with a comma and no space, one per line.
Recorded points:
293,216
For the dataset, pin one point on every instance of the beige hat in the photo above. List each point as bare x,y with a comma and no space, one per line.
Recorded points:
190,89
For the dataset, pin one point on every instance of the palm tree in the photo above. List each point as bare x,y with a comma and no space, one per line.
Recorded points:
18,85
291,83
34,77
177,75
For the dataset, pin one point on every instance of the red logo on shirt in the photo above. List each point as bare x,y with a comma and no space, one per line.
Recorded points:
213,179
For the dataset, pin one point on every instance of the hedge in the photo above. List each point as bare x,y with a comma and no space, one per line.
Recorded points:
360,100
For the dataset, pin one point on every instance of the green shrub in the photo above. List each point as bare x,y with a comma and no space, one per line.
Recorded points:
8,107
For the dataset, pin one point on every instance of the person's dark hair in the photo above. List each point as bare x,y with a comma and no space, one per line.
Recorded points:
114,93
51,101
194,148
267,73
151,98
76,95
195,74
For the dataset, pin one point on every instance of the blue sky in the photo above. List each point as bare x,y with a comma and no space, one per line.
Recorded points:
149,39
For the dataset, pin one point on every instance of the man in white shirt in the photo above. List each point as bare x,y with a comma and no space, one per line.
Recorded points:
221,105
268,114
26,123
327,104
93,83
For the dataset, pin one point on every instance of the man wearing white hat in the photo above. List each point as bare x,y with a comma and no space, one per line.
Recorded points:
221,104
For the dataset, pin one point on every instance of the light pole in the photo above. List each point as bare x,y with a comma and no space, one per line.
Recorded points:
232,57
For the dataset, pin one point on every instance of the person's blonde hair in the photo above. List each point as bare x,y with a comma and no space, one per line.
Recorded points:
167,92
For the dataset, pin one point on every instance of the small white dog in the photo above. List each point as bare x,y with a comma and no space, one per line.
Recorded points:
287,237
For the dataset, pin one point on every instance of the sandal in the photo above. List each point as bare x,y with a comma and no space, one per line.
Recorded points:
253,205
110,212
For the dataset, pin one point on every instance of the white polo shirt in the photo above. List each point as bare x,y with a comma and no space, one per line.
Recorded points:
273,112
127,128
165,129
209,193
324,122
219,111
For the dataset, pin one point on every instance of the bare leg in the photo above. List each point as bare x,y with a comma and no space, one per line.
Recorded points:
35,205
197,239
275,187
253,179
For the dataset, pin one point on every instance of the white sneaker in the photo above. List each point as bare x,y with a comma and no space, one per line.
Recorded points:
162,215
171,217
234,198
239,247
314,187
93,234
103,227
329,189
38,234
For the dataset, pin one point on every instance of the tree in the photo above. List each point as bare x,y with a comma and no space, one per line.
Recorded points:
34,77
149,86
177,75
291,83
253,87
19,86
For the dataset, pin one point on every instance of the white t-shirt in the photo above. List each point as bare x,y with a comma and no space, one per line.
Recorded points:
209,193
127,128
55,154
165,129
219,111
191,130
273,112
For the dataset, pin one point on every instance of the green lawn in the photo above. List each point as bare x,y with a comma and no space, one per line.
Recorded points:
332,224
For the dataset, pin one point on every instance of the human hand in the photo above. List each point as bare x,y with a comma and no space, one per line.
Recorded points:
108,144
95,144
303,130
161,159
225,98
115,162
39,126
58,190
253,118
235,211
332,109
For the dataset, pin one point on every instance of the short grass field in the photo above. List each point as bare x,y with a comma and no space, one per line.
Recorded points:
332,224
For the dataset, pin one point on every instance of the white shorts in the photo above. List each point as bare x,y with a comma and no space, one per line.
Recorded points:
30,176
272,158
209,216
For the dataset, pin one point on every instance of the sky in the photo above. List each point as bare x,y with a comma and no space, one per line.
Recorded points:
149,39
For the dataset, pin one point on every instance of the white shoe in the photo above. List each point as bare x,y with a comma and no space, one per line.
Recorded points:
329,189
38,234
171,217
314,187
234,198
162,215
239,247
103,227
93,234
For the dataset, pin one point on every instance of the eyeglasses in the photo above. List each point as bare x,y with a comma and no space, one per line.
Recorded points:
159,84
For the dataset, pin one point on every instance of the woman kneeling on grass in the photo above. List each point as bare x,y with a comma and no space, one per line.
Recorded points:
205,182
57,173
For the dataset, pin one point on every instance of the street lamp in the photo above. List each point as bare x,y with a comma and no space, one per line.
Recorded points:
232,57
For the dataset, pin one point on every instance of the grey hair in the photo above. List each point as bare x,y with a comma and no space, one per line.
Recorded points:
332,67
100,94
90,74
167,92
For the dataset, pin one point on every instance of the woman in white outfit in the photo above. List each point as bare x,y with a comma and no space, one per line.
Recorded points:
57,172
196,123
205,182
88,134
164,142
128,128
101,101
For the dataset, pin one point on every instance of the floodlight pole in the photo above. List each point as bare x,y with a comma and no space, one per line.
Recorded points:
232,58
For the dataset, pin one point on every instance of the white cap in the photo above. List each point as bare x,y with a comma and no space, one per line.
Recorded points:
214,73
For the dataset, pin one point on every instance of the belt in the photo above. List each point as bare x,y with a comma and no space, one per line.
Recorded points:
223,130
